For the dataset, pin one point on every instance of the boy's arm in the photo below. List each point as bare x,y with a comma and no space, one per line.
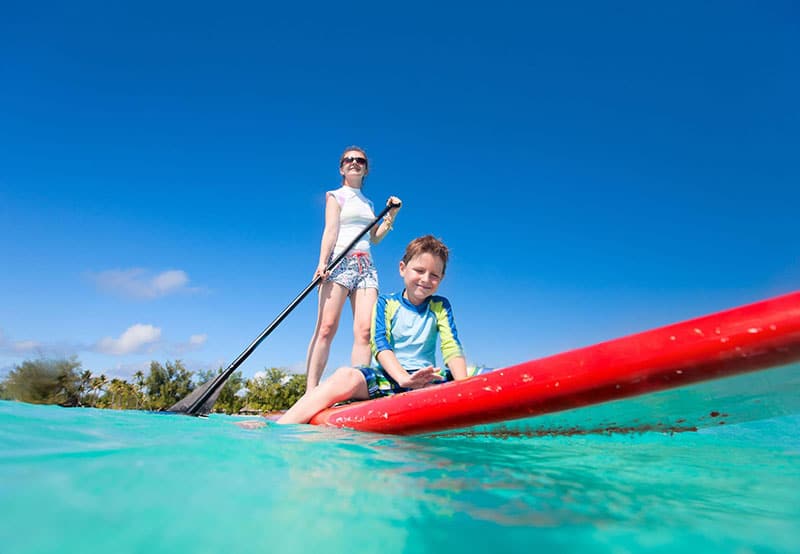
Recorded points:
458,367
452,351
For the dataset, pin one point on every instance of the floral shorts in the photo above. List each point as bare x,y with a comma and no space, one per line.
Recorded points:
355,271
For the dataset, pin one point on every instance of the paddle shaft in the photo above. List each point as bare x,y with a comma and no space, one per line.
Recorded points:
220,379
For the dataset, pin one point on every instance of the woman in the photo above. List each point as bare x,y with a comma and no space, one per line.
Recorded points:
347,213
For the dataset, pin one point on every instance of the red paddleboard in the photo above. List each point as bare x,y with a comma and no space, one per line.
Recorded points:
679,377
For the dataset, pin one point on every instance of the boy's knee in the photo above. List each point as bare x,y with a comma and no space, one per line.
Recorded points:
348,379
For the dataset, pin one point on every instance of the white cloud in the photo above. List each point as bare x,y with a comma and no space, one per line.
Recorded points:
125,370
169,281
139,283
25,346
136,338
198,340
195,342
19,346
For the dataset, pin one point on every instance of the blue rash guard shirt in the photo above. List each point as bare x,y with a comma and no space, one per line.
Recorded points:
411,332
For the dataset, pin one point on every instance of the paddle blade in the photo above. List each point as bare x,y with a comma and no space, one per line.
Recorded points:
194,404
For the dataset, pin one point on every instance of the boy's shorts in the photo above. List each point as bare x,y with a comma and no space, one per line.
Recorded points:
355,271
379,383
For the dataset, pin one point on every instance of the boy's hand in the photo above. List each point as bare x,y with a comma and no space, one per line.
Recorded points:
419,378
438,375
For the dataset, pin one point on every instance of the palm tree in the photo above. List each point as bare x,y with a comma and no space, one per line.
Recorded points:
84,386
138,386
98,384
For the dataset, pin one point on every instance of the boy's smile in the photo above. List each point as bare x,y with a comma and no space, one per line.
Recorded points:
421,276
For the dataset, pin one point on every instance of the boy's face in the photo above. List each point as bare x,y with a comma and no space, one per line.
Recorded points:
422,275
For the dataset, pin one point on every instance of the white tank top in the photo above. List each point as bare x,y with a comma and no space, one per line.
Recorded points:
356,213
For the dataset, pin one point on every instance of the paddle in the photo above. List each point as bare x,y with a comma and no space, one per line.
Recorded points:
200,401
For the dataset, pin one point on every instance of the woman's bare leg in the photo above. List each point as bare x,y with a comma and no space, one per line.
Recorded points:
362,301
332,297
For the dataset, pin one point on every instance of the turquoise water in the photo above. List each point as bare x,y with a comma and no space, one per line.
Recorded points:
83,480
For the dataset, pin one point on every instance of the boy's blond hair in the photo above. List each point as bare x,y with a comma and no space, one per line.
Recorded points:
427,244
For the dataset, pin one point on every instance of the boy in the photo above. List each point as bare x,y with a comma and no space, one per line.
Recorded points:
405,327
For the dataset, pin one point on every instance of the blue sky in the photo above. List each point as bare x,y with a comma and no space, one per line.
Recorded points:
595,170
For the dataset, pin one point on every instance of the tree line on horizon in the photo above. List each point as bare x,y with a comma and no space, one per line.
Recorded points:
64,382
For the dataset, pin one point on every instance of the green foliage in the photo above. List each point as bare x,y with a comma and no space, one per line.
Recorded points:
121,395
47,381
167,384
275,390
93,389
62,381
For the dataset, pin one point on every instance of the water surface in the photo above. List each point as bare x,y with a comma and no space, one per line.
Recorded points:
84,480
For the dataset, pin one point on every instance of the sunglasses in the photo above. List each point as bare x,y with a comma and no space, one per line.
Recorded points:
350,159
